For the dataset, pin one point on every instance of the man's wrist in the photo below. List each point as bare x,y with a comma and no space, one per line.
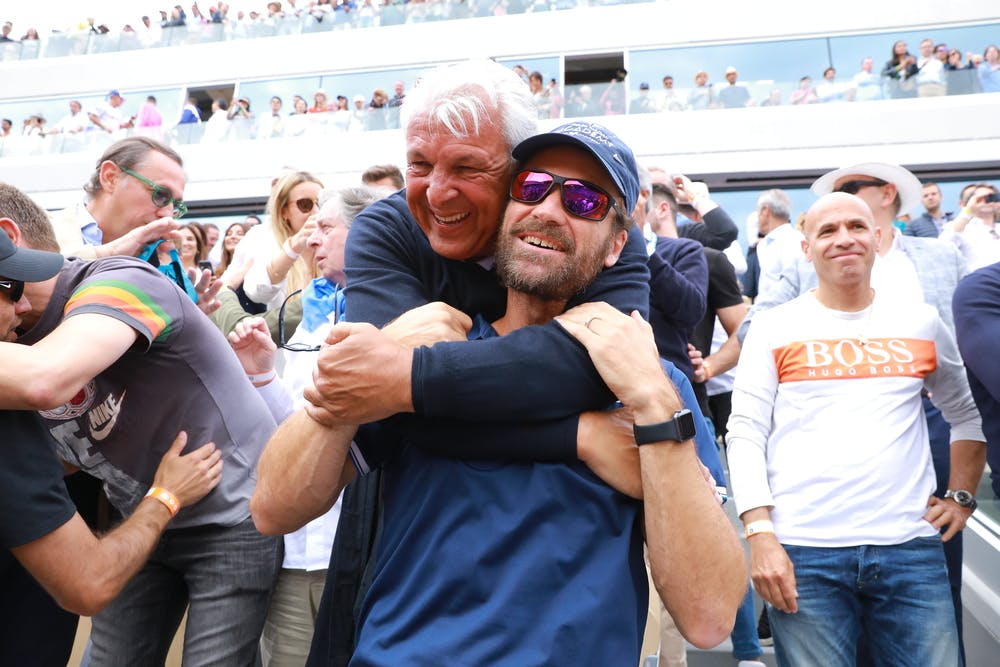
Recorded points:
168,499
759,527
656,403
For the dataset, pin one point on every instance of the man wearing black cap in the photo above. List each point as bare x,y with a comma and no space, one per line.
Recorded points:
41,534
546,556
117,362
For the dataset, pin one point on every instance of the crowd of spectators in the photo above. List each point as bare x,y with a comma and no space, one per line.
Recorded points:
218,22
270,262
938,70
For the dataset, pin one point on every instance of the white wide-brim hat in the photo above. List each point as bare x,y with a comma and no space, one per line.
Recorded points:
907,185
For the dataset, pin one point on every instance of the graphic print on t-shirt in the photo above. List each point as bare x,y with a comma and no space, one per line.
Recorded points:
851,359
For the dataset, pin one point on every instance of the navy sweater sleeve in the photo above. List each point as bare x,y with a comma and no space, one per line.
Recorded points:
537,371
677,296
976,307
391,268
716,230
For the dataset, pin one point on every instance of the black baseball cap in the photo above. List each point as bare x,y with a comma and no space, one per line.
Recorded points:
26,265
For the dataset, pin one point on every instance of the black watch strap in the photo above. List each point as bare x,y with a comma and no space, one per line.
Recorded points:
679,429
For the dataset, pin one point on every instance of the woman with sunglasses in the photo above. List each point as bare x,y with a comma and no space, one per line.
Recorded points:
282,262
960,79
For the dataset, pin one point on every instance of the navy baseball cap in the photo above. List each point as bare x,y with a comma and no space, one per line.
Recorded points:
616,158
26,265
114,93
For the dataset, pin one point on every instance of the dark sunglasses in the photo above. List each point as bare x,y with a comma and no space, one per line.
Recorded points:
14,289
161,195
580,198
853,187
305,204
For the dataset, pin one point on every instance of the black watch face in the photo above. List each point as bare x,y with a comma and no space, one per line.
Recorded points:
685,425
963,498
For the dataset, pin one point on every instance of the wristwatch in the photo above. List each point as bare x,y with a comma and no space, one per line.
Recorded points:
680,429
963,498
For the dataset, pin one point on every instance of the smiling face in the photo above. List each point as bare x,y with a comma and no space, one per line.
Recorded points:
457,186
841,239
234,235
545,251
188,249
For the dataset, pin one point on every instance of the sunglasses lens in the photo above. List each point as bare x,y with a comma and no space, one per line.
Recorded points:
161,196
584,201
304,205
531,186
14,289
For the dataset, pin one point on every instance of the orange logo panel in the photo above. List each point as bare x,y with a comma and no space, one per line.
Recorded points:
848,358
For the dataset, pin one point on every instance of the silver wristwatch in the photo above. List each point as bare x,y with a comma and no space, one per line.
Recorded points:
963,498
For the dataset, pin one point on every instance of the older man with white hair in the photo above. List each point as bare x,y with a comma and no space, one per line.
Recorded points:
436,240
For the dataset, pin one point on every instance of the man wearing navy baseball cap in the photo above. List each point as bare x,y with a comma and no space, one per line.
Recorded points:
515,563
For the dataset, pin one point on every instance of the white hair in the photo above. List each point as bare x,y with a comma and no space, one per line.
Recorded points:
463,97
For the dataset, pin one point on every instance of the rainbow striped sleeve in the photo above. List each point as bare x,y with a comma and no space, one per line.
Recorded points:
124,297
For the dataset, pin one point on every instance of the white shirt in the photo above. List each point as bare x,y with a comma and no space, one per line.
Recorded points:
309,547
979,243
895,277
931,71
73,122
828,423
783,241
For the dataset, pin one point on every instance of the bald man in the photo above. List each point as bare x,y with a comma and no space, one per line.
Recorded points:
830,462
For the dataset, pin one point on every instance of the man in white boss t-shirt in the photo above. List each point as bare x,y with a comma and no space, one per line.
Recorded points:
830,462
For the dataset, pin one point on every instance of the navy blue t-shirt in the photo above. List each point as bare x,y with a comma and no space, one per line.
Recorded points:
33,497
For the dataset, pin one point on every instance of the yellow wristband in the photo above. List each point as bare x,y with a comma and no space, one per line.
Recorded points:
708,369
757,527
967,211
168,499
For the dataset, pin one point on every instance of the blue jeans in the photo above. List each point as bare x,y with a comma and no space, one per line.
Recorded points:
897,595
226,572
746,645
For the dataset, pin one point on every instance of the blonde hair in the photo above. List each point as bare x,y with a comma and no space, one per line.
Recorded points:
301,272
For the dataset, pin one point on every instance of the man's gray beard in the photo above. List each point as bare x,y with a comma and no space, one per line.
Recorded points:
570,278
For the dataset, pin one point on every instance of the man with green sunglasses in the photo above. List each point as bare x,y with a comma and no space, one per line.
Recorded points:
134,197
